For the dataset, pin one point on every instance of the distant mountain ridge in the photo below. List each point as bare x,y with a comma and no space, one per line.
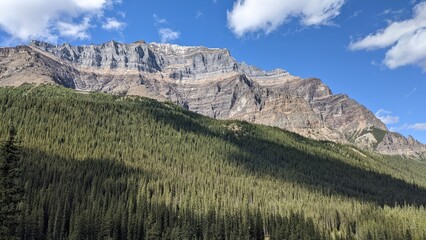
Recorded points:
208,81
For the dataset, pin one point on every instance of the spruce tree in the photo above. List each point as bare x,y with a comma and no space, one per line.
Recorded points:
10,192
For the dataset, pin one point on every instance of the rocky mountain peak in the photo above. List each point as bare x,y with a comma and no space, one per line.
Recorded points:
208,81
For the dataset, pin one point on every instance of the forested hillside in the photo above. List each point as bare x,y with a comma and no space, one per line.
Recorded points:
97,166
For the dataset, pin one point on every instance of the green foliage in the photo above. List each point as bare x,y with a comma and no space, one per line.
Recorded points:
10,192
98,166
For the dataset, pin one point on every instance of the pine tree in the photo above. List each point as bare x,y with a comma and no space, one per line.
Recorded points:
408,235
105,167
10,192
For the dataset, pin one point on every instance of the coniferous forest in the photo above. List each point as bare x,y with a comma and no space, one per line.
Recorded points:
98,166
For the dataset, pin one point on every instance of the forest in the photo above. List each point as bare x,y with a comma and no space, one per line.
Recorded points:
99,166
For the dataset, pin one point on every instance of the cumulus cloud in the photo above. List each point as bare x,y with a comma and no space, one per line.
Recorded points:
47,20
267,15
75,31
386,117
405,40
113,24
168,35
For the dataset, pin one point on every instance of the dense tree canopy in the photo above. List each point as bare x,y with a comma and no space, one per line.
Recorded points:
97,166
10,191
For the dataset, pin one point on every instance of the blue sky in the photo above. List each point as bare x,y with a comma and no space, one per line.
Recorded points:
374,51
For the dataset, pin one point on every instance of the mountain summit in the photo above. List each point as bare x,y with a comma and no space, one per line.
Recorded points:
208,81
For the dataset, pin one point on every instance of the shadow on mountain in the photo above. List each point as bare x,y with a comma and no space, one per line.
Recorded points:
105,199
329,174
294,161
73,199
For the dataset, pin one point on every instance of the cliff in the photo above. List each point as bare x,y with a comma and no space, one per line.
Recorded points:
207,81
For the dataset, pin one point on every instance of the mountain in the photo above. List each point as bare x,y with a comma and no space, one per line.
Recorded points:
207,81
101,166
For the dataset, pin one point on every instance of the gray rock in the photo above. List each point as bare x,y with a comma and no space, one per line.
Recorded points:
208,81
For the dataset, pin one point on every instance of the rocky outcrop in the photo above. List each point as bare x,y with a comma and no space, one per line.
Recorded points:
396,144
24,65
207,81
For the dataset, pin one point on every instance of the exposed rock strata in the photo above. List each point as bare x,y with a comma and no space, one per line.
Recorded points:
207,81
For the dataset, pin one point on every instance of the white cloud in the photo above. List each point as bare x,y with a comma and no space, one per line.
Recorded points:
386,117
411,92
113,24
47,20
121,14
410,49
93,5
406,40
394,14
75,31
159,20
168,35
355,14
267,15
415,127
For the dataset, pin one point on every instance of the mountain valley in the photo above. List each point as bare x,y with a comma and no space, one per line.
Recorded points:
209,82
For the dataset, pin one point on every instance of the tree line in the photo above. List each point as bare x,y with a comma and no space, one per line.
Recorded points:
97,166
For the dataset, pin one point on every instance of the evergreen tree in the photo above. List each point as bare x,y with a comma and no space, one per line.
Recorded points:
10,192
408,235
98,166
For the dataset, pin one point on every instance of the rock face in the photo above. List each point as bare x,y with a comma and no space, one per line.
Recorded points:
207,81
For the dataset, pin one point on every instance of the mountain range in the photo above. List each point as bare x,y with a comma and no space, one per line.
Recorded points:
208,81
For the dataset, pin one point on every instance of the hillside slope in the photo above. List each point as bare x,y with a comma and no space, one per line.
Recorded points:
207,81
99,166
